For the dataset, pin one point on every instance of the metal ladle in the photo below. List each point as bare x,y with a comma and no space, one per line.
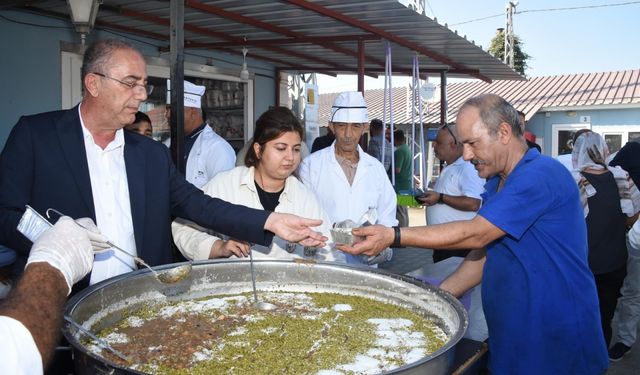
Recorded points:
260,305
170,276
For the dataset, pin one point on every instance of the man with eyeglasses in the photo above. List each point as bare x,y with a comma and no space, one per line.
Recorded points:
82,163
457,191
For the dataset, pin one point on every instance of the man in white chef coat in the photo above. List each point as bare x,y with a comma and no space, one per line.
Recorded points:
347,180
205,153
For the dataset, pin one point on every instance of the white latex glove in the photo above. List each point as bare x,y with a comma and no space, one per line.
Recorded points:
98,240
66,247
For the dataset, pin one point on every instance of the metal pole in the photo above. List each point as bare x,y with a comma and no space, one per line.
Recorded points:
390,95
508,36
443,98
364,144
415,92
176,122
361,66
421,123
278,78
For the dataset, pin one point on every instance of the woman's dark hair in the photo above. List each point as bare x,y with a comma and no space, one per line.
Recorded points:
140,117
272,124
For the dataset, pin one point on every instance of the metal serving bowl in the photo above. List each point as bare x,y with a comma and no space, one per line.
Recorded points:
102,305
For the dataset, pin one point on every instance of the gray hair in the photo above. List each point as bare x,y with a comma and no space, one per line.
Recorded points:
98,55
494,110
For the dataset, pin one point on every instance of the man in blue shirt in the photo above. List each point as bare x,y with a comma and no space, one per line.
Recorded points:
539,296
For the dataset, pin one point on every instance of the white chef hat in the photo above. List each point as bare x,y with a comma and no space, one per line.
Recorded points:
192,94
349,107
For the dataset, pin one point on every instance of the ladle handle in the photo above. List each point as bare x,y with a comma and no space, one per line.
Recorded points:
135,258
111,244
95,338
253,277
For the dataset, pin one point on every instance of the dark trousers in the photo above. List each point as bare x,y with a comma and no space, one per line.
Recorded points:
608,285
439,255
402,215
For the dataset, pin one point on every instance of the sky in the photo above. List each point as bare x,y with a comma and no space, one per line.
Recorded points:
559,41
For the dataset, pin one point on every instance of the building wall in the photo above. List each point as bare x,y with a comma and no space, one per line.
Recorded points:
31,68
542,122
265,89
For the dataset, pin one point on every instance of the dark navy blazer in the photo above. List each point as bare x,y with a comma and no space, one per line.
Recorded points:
44,164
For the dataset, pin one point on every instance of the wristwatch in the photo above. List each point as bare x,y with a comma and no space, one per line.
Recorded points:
441,198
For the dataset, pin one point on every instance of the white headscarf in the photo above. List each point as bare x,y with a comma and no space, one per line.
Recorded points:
591,151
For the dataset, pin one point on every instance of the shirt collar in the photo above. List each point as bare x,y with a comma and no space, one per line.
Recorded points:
248,180
118,140
196,131
531,154
361,153
528,156
458,161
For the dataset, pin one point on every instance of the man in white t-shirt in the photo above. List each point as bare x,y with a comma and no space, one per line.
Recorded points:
456,194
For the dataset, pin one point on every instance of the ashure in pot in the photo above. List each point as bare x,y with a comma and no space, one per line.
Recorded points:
283,282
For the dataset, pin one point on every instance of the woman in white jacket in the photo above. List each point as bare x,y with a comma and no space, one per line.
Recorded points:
265,182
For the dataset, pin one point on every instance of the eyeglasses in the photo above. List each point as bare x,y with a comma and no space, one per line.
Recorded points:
446,126
148,89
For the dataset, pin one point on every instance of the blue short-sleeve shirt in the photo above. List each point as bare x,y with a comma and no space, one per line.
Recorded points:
538,294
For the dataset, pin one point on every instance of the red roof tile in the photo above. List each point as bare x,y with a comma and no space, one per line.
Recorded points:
571,90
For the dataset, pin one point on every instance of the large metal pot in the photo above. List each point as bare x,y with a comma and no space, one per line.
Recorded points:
103,304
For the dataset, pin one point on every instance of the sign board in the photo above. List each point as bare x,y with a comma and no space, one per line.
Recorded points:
311,115
432,134
585,119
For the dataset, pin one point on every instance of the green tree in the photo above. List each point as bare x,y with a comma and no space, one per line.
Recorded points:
519,56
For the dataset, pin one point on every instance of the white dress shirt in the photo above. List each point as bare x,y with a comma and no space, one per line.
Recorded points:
18,351
110,192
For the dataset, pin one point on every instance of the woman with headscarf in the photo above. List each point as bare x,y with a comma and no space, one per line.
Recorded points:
611,203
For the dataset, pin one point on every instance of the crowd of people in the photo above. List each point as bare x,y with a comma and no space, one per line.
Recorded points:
551,273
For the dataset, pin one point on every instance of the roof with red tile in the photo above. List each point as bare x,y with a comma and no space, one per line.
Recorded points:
618,88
